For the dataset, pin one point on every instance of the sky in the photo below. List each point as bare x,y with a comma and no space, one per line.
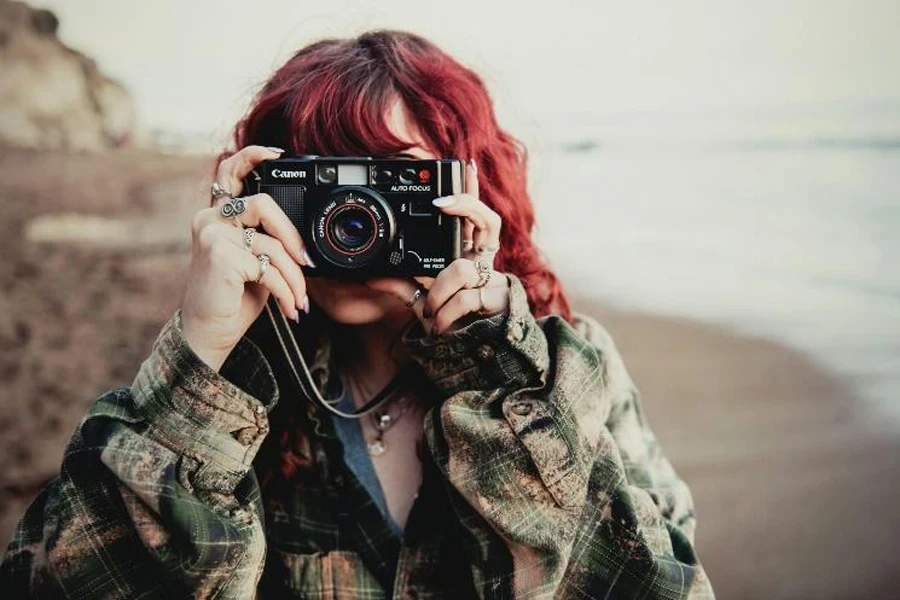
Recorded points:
193,64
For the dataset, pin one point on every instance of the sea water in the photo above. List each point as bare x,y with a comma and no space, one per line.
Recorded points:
787,228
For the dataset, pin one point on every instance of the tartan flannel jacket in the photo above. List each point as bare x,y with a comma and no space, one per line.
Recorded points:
542,480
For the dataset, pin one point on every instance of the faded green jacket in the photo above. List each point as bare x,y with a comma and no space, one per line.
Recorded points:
542,480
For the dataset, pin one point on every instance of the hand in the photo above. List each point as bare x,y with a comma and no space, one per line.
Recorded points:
453,294
221,300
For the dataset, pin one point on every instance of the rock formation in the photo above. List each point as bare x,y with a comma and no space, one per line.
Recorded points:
52,96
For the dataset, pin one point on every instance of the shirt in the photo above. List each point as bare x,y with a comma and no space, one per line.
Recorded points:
356,453
542,479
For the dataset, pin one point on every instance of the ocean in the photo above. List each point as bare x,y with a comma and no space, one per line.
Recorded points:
782,225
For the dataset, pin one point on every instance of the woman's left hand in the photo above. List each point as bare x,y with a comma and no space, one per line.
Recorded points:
454,294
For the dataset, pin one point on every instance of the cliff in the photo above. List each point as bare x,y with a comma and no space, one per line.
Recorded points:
52,96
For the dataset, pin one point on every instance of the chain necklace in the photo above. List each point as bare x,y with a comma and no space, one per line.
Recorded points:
381,418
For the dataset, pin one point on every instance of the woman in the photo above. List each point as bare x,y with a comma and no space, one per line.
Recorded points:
512,461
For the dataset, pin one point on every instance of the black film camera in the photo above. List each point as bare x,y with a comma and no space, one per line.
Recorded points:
364,217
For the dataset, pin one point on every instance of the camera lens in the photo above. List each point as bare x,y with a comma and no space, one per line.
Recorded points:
408,176
352,228
327,174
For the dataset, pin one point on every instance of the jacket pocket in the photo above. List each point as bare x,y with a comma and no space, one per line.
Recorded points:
536,427
334,575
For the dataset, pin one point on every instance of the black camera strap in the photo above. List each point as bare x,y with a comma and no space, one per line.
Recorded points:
293,356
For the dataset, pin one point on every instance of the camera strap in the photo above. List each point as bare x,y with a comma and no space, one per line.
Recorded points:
293,356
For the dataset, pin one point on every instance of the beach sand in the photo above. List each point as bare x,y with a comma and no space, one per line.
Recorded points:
796,489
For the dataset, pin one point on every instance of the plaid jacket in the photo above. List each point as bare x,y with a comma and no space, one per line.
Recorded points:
542,480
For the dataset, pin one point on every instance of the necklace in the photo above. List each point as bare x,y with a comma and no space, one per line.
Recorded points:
381,418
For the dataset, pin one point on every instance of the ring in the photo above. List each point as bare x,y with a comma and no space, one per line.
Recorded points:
468,244
233,208
218,190
249,232
415,297
484,273
493,248
264,261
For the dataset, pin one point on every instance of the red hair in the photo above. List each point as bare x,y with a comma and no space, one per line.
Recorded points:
334,97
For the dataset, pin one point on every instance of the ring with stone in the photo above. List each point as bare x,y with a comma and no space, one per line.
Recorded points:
484,273
485,249
264,261
468,244
249,232
218,190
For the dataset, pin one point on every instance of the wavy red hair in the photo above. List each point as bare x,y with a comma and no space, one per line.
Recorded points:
334,97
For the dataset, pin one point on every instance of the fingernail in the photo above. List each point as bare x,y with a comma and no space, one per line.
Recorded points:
426,312
444,201
296,317
434,330
306,304
474,166
308,259
275,149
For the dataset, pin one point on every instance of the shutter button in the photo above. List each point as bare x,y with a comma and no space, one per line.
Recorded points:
521,408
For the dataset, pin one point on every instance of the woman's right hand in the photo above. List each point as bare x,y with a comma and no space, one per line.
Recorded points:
221,300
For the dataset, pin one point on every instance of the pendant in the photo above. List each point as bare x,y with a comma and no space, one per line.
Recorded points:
376,446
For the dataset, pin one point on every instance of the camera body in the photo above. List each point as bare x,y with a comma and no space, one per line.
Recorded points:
363,217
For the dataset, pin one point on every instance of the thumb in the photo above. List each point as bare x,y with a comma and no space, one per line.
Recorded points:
403,290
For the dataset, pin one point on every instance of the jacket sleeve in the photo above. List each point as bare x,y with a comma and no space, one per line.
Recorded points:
156,496
560,486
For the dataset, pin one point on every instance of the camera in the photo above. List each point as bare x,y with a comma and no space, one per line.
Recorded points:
362,217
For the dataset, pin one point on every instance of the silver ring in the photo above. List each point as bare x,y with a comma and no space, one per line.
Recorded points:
249,232
468,244
264,261
484,249
415,297
484,273
218,190
232,208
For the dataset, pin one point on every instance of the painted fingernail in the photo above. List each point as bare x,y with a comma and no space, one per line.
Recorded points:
275,149
444,201
306,304
426,312
308,259
296,317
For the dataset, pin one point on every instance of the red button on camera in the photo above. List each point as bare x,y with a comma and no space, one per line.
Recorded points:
424,175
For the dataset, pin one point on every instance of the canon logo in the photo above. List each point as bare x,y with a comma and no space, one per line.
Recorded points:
279,174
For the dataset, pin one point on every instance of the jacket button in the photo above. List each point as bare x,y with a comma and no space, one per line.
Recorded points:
246,435
515,330
485,352
521,408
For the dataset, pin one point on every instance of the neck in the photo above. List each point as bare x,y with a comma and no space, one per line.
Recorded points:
373,353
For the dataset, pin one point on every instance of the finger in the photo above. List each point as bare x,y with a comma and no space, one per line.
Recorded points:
262,211
289,269
231,171
248,266
471,186
461,274
403,290
486,221
465,302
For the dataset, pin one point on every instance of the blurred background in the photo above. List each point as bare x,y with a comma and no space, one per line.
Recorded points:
717,182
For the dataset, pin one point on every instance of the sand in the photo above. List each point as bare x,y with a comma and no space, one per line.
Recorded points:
796,487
